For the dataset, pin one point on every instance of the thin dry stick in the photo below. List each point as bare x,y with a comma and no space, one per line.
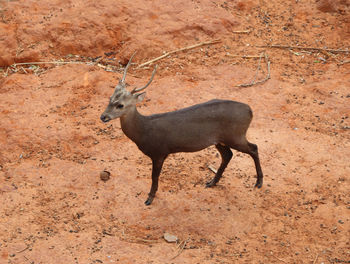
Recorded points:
212,169
344,62
315,259
278,258
304,48
178,50
23,249
138,240
15,69
47,62
7,71
258,69
268,76
181,249
241,31
178,245
24,70
243,56
145,240
300,53
132,239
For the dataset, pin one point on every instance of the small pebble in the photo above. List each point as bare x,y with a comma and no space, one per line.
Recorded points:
170,238
105,175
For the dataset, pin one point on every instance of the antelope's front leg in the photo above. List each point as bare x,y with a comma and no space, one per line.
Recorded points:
156,169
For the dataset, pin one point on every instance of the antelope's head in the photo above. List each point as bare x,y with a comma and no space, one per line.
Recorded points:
122,100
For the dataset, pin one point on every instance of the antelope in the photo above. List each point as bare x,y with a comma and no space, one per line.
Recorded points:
222,123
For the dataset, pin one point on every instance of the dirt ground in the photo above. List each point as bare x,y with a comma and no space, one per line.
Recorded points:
54,207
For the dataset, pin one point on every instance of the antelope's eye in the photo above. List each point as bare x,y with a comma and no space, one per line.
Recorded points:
120,106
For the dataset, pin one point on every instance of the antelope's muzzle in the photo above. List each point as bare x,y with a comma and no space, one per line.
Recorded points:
104,118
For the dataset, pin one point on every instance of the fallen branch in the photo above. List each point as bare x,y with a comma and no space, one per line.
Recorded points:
315,259
178,50
268,76
304,48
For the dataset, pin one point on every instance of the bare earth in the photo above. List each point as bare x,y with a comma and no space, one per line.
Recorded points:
54,207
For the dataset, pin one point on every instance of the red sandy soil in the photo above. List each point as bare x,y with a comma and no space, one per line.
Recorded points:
54,207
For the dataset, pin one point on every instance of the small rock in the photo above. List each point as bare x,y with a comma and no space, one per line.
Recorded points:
170,238
211,243
105,175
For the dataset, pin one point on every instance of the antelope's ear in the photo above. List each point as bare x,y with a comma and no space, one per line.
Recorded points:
139,97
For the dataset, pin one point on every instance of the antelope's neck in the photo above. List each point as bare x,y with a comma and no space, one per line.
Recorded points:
133,125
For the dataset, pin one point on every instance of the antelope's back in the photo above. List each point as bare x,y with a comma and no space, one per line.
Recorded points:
199,126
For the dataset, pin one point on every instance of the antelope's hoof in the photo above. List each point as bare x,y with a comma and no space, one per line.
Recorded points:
149,200
210,184
258,184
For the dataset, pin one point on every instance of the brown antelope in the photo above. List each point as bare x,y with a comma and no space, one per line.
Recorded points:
222,123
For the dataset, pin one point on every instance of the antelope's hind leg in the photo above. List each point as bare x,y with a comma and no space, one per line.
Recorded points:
252,150
226,155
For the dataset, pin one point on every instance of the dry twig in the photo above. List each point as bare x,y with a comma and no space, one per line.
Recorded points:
139,240
243,56
278,258
241,31
181,248
178,50
133,239
24,70
212,169
315,259
47,62
20,251
304,48
37,70
7,71
343,62
257,70
268,76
